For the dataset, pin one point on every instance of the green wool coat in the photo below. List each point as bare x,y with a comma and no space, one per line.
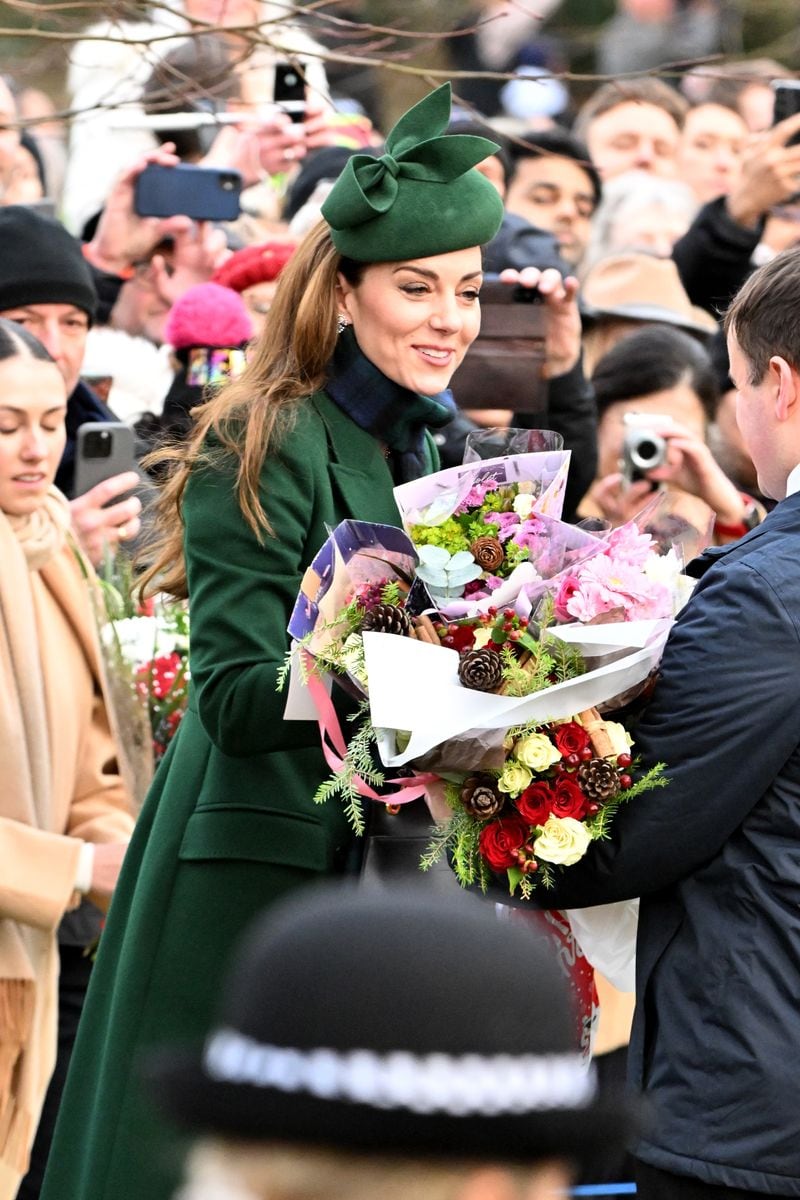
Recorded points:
229,824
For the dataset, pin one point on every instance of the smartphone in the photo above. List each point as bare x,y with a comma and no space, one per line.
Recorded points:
102,449
787,103
289,91
202,193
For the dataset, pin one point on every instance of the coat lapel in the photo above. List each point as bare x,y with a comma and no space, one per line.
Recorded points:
359,472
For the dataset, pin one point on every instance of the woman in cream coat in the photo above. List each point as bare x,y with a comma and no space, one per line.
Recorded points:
61,791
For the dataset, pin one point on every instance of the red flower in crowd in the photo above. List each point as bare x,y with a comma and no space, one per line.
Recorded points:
157,678
500,841
569,799
536,803
570,738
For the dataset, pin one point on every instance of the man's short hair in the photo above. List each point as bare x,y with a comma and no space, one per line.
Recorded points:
642,91
479,129
763,315
555,143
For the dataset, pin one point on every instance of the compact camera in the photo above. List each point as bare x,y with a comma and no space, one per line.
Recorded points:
642,450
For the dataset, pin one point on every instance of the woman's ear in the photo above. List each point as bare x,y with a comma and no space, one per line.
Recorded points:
343,293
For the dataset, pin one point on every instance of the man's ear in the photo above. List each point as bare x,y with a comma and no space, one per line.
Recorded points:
786,381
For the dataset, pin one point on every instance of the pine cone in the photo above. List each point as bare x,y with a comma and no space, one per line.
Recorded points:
480,797
488,552
599,779
481,670
386,618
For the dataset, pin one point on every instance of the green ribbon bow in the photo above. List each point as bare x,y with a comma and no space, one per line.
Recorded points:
416,150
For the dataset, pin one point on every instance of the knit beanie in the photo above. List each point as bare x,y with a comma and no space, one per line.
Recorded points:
41,263
208,315
261,263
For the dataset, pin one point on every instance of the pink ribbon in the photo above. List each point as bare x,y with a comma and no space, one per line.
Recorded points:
334,747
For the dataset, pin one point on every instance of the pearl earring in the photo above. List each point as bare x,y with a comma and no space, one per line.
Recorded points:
341,323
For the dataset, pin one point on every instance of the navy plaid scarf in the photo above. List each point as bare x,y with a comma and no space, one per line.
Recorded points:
391,413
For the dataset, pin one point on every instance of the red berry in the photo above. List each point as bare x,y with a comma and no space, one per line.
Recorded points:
559,768
492,612
625,782
586,754
573,760
624,760
515,635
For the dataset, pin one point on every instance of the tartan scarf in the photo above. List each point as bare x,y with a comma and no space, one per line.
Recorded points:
391,413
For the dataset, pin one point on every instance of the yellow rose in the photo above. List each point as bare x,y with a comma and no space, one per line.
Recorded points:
563,841
536,751
514,779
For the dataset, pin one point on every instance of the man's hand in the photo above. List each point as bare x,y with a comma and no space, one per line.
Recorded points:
106,867
99,528
123,237
256,149
770,173
562,345
197,251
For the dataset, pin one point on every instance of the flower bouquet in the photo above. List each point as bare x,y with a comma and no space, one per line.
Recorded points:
145,655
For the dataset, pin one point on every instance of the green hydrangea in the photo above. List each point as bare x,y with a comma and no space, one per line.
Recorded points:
515,555
449,535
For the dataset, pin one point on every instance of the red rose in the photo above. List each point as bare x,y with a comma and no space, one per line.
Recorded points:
569,799
570,738
500,840
536,803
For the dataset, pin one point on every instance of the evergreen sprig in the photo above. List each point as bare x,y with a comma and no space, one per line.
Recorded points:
358,761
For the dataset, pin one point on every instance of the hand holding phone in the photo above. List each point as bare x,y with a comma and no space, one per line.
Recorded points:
787,104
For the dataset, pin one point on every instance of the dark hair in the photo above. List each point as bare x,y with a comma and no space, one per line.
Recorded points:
763,315
197,76
652,360
17,342
555,143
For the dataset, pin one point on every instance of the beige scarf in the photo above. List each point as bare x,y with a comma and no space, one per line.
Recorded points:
26,543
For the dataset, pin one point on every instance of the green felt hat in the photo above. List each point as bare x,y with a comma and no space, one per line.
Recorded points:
421,197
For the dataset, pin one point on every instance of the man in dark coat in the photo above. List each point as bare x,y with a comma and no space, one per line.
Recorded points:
715,855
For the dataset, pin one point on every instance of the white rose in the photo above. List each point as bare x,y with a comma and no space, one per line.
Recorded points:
621,740
523,505
514,779
536,751
563,841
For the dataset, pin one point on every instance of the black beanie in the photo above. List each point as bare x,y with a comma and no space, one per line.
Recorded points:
41,263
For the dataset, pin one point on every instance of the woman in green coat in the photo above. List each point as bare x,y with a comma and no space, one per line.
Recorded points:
318,429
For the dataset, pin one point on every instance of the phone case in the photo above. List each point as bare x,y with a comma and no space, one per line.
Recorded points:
202,193
102,449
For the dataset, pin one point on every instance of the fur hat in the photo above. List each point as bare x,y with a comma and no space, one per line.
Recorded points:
640,287
41,263
421,197
208,315
379,1021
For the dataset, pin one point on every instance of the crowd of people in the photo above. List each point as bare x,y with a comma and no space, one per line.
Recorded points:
282,372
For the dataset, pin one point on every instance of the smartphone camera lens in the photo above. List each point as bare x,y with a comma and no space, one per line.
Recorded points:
98,444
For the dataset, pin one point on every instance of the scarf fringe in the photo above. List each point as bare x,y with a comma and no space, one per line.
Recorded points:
17,1004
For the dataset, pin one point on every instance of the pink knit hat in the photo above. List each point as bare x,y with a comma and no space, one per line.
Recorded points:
208,315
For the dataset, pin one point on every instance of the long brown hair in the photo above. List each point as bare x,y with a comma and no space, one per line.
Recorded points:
250,415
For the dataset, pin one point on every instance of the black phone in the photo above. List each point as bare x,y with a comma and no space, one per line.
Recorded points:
787,103
103,449
202,193
289,91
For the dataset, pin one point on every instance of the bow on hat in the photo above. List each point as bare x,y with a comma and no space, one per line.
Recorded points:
416,149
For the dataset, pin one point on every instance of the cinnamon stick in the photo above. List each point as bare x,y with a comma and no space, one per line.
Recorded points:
595,726
426,631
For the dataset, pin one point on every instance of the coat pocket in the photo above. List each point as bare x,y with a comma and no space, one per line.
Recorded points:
255,835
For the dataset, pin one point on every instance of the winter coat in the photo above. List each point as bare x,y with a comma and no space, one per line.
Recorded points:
230,824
